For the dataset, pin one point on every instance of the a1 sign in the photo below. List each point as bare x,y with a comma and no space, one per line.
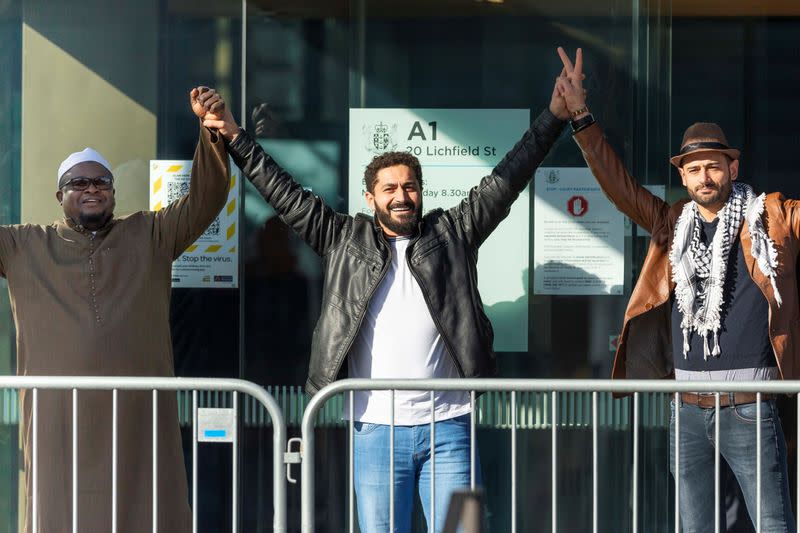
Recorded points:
577,206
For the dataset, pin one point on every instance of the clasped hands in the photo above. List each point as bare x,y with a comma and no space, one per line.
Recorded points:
209,106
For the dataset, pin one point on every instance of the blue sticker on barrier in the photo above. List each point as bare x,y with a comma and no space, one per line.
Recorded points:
216,424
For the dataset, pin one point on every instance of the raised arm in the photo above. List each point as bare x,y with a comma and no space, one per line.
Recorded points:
643,207
180,223
488,203
791,209
315,222
12,240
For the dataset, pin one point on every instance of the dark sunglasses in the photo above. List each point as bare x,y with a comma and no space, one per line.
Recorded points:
102,183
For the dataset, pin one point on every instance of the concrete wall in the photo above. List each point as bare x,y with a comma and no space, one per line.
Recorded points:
89,78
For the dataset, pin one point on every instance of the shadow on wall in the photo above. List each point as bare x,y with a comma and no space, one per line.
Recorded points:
561,342
510,319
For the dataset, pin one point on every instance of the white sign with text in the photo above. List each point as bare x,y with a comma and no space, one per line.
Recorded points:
212,260
578,235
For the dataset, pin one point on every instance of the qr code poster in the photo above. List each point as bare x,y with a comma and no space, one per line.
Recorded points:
213,259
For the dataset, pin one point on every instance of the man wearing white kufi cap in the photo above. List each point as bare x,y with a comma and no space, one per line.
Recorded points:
77,174
90,295
85,155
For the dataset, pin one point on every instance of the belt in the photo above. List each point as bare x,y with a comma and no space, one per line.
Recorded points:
706,399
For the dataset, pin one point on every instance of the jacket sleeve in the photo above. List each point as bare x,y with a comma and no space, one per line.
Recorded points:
488,203
11,240
791,209
642,206
314,221
180,223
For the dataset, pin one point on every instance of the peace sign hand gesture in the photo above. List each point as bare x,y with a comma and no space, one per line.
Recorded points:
570,84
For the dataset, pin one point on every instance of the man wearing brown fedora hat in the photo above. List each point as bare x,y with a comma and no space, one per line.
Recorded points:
716,300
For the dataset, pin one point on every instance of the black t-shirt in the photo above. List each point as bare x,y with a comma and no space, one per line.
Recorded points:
744,335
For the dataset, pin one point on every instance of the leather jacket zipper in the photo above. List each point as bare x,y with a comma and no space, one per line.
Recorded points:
340,362
447,345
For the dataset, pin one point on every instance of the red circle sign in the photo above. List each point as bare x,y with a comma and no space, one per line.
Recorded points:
577,206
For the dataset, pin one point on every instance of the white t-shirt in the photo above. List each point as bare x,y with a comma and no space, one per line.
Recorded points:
399,340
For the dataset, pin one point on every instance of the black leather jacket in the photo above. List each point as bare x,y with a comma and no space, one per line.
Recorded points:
442,256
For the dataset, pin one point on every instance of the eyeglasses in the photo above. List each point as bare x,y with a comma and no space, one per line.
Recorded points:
102,183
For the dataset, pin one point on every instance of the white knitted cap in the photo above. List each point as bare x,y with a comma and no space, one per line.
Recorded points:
85,155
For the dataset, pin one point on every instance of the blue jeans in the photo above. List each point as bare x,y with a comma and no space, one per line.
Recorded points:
737,446
412,469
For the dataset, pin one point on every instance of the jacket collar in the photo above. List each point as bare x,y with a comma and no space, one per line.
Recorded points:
68,227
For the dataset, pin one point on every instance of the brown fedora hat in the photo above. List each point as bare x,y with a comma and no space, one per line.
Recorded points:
703,137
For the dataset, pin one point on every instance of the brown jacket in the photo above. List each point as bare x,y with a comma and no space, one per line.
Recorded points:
645,346
99,305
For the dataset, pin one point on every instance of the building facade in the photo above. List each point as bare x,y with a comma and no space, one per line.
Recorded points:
115,75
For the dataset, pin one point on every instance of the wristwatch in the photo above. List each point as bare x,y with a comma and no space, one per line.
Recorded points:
582,123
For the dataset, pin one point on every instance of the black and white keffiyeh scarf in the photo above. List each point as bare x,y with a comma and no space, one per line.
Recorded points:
698,270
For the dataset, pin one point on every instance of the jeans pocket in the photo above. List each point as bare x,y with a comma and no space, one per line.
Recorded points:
364,428
747,412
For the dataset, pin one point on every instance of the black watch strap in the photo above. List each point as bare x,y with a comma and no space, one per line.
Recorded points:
582,123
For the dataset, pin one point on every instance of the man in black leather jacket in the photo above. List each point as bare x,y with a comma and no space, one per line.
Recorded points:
401,300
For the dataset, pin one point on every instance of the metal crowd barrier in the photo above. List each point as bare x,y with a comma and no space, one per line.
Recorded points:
634,387
115,384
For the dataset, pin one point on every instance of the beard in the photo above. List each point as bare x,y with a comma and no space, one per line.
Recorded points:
720,196
93,221
404,223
